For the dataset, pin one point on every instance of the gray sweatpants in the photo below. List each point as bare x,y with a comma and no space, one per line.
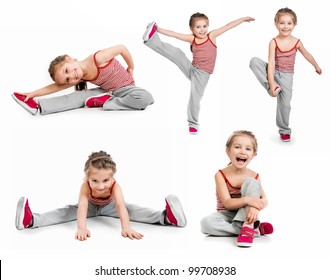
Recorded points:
229,222
125,98
69,213
198,77
285,81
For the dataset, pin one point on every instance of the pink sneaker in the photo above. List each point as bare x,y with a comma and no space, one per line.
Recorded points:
151,29
97,100
174,212
23,214
31,106
266,228
193,130
285,137
245,237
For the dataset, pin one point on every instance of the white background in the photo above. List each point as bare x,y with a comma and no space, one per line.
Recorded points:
43,156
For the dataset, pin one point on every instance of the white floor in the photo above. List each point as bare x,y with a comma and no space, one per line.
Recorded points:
43,156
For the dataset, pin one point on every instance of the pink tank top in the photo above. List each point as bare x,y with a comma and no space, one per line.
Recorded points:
234,192
284,60
204,55
112,76
101,201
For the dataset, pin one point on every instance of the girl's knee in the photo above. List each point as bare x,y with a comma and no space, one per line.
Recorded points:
250,184
205,225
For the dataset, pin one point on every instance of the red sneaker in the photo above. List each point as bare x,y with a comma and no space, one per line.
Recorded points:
266,228
31,106
97,100
151,29
23,214
174,213
285,137
245,237
193,130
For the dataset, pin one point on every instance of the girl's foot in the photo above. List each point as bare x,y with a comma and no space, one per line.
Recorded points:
151,29
31,106
266,228
174,213
245,237
193,130
24,215
285,137
97,100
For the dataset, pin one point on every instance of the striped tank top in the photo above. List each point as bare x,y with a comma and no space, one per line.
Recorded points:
234,192
204,55
102,201
112,76
284,60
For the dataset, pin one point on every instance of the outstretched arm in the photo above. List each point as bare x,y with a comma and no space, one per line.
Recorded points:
183,37
45,91
217,32
309,57
123,214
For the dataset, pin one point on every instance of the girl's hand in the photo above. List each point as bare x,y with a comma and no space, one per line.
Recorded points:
131,234
318,70
27,95
255,202
248,19
130,70
252,215
82,234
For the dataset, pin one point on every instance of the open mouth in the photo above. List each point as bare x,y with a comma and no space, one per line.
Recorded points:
239,159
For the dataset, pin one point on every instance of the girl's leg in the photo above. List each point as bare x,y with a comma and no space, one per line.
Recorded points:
283,102
199,80
174,54
220,224
259,68
250,187
136,213
129,98
67,102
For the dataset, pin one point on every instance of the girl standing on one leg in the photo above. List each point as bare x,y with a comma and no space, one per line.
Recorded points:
204,49
240,196
276,76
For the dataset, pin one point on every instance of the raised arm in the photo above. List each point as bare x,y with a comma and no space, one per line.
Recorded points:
183,37
217,32
82,232
309,57
123,214
104,56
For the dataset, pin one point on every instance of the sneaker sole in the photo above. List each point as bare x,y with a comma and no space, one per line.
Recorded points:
25,106
146,33
20,213
177,210
242,244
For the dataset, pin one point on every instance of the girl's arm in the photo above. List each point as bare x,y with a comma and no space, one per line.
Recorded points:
309,57
234,203
104,56
217,32
183,37
271,67
123,214
45,91
82,231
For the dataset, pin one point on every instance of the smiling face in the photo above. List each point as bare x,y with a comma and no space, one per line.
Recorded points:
200,28
100,181
68,72
285,24
241,151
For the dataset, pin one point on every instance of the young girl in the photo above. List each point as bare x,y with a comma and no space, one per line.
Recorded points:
276,76
240,196
116,91
204,49
101,195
